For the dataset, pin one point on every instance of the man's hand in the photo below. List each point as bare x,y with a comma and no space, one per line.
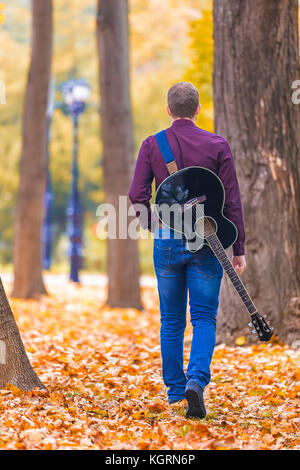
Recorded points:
239,263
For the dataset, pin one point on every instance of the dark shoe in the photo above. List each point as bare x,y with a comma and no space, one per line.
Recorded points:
194,396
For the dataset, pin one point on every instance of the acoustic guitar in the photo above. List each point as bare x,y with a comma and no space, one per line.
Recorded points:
191,201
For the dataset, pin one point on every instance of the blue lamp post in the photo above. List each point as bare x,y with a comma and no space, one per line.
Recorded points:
76,94
47,232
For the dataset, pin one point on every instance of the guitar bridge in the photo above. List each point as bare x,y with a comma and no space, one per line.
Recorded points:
195,200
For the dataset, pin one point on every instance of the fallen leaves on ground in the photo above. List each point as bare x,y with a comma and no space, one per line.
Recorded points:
102,369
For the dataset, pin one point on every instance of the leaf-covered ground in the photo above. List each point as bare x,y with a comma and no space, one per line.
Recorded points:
103,373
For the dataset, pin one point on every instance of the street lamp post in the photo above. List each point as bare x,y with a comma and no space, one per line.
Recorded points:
47,231
76,94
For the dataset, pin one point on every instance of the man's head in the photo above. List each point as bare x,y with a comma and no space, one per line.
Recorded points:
183,101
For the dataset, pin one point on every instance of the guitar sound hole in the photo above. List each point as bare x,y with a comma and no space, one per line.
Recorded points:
205,227
209,226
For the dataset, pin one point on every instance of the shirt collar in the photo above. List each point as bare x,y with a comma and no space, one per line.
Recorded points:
183,123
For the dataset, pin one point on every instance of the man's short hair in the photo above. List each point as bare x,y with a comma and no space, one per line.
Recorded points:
183,100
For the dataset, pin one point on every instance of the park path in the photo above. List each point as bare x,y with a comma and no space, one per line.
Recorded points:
103,372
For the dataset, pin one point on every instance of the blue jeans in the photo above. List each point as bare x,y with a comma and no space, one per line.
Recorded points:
178,273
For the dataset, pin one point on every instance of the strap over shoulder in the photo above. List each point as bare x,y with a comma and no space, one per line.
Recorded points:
166,151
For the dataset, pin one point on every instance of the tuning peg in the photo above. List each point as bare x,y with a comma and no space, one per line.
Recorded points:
250,325
253,332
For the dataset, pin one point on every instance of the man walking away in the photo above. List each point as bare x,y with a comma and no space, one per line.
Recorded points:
179,271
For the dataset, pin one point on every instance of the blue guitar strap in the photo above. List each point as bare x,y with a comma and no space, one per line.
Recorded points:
166,151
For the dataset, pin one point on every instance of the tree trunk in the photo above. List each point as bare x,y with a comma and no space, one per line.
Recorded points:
15,367
117,137
28,280
256,59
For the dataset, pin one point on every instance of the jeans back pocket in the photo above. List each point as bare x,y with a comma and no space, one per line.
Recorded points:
207,265
161,254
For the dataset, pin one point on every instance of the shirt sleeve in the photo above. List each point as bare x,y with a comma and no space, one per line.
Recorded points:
233,204
140,191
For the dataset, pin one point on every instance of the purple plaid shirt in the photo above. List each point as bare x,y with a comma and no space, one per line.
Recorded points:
191,146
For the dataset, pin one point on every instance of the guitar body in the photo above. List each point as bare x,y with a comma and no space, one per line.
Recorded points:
195,185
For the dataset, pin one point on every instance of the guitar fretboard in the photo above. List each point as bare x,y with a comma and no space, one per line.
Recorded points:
225,262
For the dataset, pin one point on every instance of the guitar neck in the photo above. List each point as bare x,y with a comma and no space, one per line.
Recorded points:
225,262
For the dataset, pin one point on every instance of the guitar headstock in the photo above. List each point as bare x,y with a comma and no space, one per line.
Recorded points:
264,332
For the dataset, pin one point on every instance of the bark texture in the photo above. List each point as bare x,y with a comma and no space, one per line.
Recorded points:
28,282
15,367
118,148
256,59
